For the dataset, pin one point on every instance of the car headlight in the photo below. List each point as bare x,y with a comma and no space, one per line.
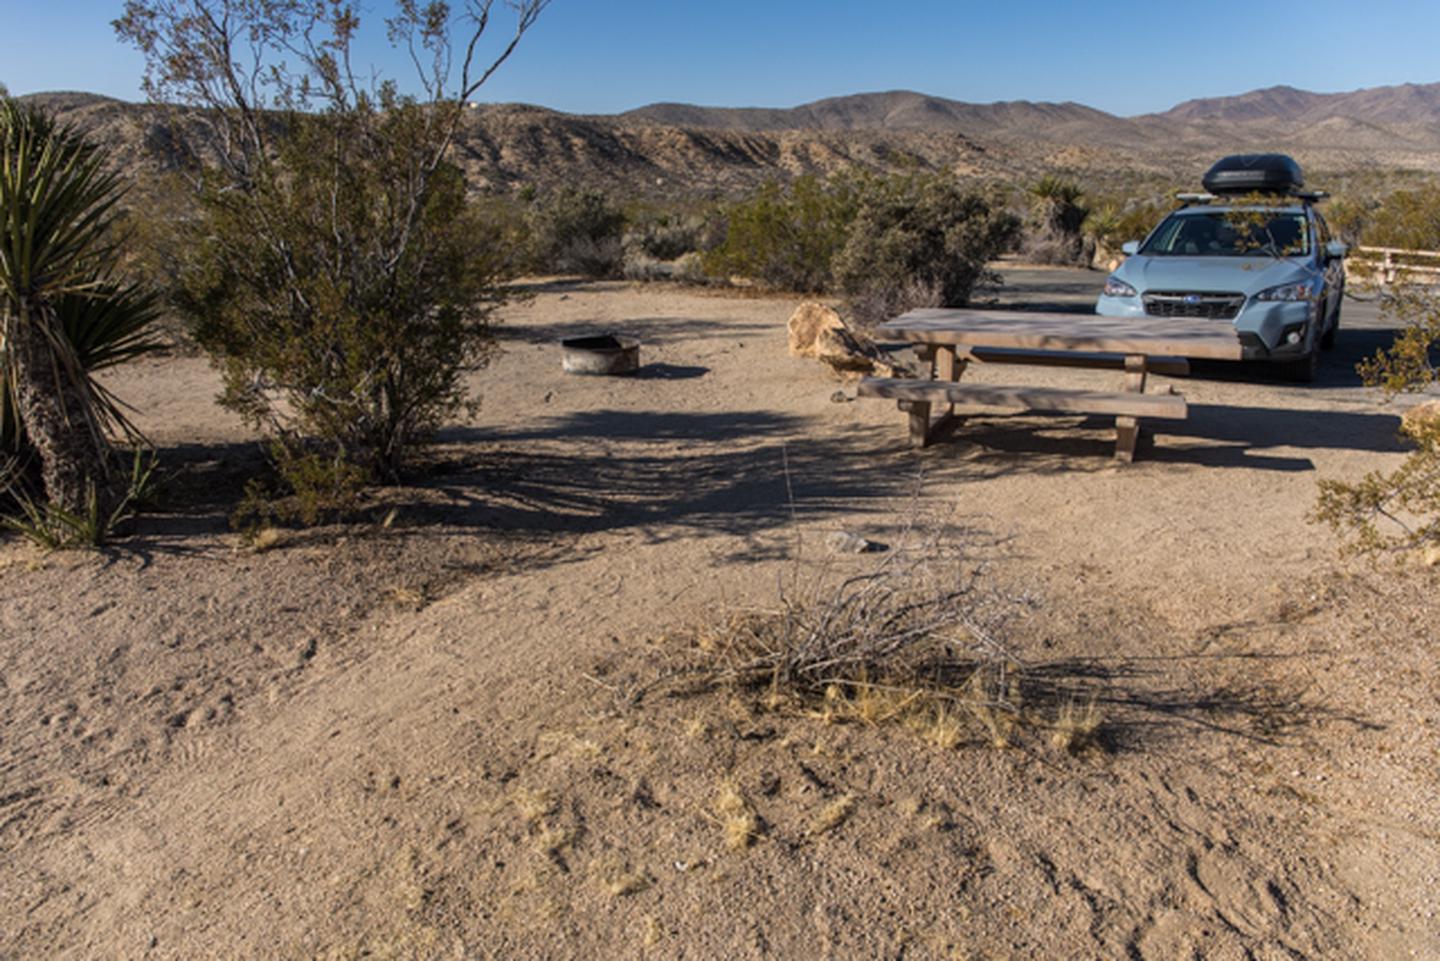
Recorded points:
1115,287
1288,292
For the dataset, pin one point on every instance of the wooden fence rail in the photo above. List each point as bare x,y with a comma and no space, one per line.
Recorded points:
1389,263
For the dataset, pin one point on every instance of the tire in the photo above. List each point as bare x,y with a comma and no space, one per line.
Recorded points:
1301,371
1327,340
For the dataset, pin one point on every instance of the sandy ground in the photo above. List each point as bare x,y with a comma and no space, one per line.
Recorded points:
441,737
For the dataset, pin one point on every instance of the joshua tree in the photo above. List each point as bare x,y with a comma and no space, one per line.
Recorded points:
63,310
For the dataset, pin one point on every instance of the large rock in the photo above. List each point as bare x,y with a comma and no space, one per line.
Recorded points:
806,325
818,331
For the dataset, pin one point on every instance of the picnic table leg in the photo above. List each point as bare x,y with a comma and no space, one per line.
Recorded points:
944,365
919,411
948,367
1127,429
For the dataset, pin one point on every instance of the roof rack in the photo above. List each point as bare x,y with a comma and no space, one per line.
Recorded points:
1307,196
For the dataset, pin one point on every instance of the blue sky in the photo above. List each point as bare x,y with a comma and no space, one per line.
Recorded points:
588,56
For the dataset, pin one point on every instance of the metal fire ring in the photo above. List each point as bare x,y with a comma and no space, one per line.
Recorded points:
601,354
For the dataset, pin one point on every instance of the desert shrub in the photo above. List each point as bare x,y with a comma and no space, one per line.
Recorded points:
638,265
654,245
916,643
365,352
1349,217
1114,220
787,237
664,236
336,269
1409,219
918,240
1400,509
690,268
1052,233
576,231
314,485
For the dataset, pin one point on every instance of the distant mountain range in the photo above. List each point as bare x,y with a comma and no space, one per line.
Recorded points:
670,148
905,110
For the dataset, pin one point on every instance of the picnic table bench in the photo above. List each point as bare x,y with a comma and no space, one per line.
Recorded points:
950,340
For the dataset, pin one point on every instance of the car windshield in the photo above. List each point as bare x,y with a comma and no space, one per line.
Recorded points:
1230,233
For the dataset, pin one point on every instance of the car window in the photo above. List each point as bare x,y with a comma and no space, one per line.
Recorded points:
1230,233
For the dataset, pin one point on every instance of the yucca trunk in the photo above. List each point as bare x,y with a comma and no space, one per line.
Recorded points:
56,418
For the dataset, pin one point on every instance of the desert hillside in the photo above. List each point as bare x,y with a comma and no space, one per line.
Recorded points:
688,150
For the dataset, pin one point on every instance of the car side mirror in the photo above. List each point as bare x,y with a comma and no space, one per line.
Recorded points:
1336,250
1130,248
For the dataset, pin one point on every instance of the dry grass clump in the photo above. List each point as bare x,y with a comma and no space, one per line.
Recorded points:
267,539
834,814
1077,728
908,643
620,881
737,817
534,806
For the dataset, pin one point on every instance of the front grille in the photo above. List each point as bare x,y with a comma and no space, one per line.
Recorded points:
1210,306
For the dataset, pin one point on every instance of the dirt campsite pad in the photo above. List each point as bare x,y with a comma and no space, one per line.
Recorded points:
440,731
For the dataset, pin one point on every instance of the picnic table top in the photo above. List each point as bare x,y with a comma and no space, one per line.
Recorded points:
1206,339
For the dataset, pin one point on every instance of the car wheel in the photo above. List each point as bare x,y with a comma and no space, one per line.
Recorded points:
1301,371
1327,339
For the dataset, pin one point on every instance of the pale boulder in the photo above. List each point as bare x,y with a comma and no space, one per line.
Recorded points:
806,325
819,332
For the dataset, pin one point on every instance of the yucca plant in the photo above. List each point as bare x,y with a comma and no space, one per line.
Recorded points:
64,310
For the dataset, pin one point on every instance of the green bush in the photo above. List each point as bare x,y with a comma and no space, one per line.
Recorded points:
918,240
661,245
787,237
1400,509
575,231
336,269
664,236
1409,219
364,350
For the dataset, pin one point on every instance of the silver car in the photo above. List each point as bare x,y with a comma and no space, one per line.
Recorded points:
1271,269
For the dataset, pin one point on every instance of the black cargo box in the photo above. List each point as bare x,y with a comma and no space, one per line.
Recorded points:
1271,173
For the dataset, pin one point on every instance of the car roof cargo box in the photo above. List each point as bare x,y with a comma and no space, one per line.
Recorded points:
1269,173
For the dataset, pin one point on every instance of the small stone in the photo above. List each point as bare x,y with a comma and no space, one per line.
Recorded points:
1430,556
844,542
840,397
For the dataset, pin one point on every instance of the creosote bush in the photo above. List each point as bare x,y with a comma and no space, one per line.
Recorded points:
1398,510
787,236
336,269
1408,219
888,243
919,241
575,231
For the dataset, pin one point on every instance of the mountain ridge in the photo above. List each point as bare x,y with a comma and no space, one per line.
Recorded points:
682,149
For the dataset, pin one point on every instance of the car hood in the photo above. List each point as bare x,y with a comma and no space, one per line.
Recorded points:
1247,275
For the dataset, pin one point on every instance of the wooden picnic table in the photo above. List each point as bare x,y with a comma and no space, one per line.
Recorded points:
952,339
